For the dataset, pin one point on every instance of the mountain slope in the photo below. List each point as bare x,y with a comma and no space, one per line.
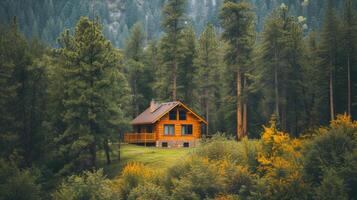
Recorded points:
47,18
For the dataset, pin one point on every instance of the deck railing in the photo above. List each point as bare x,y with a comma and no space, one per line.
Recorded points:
139,137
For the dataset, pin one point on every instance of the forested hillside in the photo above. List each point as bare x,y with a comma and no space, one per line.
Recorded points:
47,18
275,79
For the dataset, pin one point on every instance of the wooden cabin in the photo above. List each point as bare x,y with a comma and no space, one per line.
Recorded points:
170,124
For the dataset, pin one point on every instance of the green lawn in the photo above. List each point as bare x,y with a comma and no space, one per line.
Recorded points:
150,156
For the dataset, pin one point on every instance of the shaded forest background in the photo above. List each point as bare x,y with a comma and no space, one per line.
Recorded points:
73,75
46,19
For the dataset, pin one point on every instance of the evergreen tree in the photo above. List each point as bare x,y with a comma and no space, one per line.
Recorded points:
207,76
237,21
280,66
153,61
93,84
137,71
349,36
329,51
23,96
186,70
10,54
171,44
313,93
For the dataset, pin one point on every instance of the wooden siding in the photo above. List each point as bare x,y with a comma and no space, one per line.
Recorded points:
190,119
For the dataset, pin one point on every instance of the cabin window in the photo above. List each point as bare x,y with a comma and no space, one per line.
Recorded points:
186,129
182,115
164,144
172,114
149,129
169,129
186,144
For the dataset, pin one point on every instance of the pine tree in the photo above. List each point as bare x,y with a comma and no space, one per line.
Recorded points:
293,56
152,61
135,67
207,78
186,70
10,55
93,82
23,99
171,44
237,21
349,40
279,65
313,93
329,50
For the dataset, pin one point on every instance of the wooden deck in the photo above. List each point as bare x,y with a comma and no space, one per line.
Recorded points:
133,138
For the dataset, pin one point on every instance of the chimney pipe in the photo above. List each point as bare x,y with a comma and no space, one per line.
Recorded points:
152,105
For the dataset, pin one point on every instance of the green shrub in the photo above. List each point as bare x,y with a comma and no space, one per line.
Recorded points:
195,178
148,191
328,151
237,179
333,149
332,187
18,184
88,186
243,153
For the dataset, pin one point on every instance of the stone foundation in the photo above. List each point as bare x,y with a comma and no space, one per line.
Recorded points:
176,143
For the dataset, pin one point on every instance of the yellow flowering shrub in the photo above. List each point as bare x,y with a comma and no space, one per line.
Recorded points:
280,156
343,121
137,169
227,197
133,174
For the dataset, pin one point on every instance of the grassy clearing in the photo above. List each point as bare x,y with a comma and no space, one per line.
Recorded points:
150,156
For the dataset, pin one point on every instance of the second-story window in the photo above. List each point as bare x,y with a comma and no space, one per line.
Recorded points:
172,114
182,115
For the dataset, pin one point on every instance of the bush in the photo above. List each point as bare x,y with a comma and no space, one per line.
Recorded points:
133,175
243,153
89,186
227,197
196,178
332,187
334,149
280,164
236,179
148,191
18,184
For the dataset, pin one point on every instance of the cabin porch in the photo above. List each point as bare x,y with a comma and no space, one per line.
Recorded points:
142,134
137,138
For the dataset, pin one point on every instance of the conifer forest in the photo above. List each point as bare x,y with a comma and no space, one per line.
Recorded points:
275,80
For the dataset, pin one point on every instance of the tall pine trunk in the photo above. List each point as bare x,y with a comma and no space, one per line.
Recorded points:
107,150
26,132
136,103
349,85
174,66
332,110
239,105
206,110
174,77
276,89
93,152
119,148
283,108
245,127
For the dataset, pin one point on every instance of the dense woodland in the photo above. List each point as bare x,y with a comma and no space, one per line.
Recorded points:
69,89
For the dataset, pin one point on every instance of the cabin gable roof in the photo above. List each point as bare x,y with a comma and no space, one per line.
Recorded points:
150,116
